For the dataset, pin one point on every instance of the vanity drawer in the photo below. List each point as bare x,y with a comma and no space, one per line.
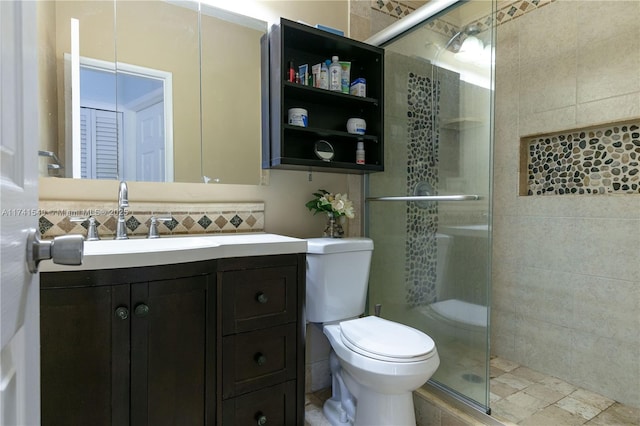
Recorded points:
275,405
258,298
257,359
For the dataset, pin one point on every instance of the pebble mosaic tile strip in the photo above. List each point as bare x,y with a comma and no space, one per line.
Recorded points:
603,160
59,218
422,166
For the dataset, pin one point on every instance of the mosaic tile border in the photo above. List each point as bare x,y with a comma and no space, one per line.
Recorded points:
518,8
60,218
397,9
506,13
597,160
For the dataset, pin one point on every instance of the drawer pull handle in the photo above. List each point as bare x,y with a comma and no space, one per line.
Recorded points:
261,419
260,359
122,313
262,298
142,310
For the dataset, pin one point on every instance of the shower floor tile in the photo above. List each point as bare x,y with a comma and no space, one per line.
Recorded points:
526,397
550,401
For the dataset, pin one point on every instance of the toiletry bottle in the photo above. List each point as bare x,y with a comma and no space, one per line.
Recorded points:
360,153
335,75
324,76
291,73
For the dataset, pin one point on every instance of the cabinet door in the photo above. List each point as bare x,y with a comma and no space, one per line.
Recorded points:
169,352
85,357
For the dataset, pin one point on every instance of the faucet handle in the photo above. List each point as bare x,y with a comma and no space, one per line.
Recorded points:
92,230
153,226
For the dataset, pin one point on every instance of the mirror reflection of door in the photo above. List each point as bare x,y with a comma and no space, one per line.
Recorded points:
125,137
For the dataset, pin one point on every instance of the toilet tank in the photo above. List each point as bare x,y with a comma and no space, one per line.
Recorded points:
337,277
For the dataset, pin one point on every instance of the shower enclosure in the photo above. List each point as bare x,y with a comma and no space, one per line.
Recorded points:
429,212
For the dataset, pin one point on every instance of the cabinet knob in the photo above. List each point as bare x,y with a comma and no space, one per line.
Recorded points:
122,313
260,359
261,419
262,298
142,310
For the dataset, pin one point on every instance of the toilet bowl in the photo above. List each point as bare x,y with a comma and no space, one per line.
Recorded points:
375,363
382,363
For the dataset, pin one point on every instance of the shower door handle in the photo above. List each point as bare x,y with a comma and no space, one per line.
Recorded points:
427,198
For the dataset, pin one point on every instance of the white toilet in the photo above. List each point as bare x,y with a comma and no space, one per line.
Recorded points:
376,364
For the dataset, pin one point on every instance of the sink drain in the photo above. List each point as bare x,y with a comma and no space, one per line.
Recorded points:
473,378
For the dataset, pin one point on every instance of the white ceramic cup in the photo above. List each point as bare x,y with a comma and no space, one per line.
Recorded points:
356,126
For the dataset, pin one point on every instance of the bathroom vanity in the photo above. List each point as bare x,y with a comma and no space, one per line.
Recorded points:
209,341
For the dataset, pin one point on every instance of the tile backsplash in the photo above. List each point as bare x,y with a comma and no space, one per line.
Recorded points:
602,160
60,218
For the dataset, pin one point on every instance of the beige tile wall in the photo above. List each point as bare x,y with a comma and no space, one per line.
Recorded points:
566,282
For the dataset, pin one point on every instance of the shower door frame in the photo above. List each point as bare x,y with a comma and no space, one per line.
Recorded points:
394,32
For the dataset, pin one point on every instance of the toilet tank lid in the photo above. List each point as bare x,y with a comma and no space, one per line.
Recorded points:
338,245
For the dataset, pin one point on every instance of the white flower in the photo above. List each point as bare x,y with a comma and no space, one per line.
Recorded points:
336,204
342,205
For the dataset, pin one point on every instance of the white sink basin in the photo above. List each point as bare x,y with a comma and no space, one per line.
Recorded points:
110,254
108,247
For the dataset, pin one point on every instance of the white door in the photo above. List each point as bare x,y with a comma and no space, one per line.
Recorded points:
100,144
150,144
19,290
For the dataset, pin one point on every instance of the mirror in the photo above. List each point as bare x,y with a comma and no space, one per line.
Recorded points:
323,150
162,37
169,91
231,108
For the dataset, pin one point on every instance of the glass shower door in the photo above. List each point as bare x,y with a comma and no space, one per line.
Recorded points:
431,262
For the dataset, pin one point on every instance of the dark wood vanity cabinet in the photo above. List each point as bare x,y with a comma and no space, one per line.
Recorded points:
128,346
261,340
204,343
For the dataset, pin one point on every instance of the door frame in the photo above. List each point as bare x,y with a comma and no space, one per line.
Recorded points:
72,149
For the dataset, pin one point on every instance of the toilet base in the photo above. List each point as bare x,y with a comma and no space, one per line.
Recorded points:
376,409
355,405
335,414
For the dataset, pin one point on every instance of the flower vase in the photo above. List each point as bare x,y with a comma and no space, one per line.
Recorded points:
334,227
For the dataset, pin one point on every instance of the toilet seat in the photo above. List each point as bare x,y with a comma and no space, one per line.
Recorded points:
386,340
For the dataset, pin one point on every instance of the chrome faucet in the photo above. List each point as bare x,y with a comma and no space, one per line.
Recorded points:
123,202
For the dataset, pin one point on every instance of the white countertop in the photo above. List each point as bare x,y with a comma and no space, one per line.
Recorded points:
114,254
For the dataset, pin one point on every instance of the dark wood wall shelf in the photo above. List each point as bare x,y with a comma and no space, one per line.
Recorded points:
292,147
